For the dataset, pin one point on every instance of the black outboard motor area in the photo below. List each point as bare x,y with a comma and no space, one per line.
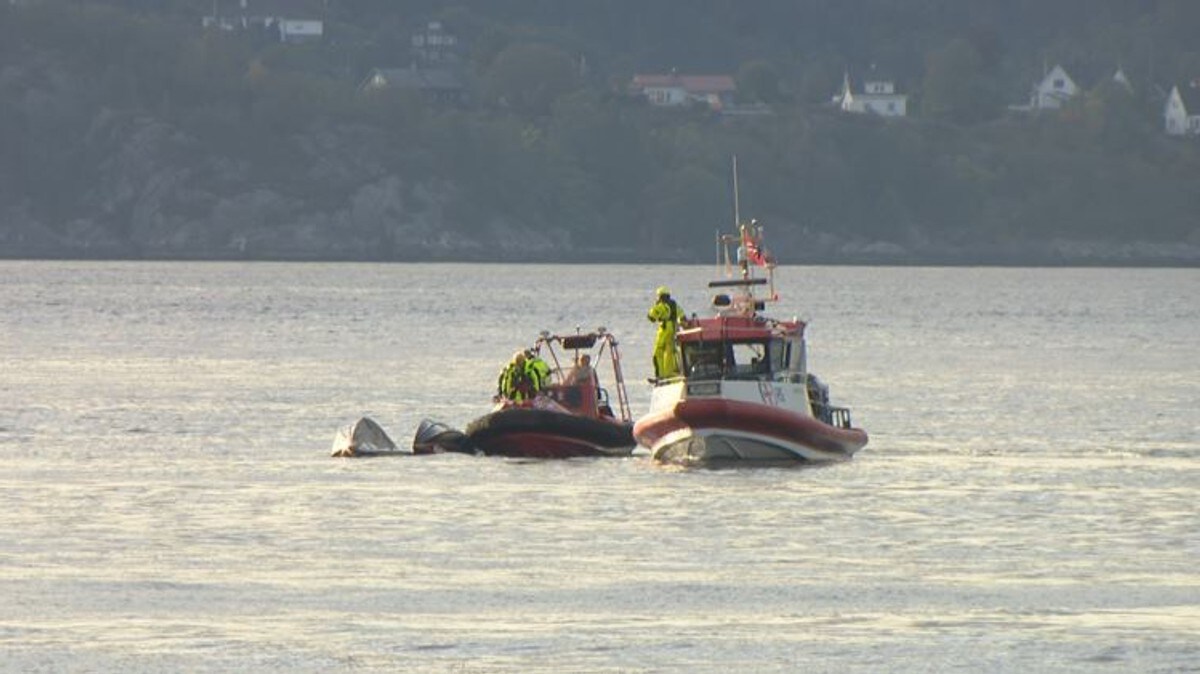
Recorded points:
434,437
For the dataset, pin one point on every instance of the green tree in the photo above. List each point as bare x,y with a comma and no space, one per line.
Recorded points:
758,82
685,207
527,78
957,87
1111,113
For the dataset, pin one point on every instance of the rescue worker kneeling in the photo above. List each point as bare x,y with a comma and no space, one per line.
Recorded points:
538,370
524,376
515,382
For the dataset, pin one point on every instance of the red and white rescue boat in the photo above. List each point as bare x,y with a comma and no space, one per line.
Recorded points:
745,395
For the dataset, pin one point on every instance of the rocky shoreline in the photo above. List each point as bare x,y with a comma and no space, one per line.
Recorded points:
155,192
306,240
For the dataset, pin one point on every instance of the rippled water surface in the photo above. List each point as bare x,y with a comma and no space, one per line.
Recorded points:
1028,500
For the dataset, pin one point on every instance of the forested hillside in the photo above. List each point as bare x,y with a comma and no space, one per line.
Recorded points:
127,130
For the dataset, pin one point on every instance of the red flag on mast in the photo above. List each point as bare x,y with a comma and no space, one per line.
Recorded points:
753,247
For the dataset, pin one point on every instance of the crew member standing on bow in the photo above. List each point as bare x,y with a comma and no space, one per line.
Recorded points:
667,313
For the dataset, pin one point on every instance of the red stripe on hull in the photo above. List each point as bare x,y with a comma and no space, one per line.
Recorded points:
708,415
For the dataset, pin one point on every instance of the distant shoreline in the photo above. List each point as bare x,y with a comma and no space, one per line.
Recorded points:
1046,262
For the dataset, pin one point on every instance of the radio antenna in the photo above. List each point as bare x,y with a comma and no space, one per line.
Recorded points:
737,213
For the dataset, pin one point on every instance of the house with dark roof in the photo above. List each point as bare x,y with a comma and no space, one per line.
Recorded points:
1182,113
442,85
435,72
673,89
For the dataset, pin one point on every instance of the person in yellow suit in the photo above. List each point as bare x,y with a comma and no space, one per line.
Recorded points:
668,314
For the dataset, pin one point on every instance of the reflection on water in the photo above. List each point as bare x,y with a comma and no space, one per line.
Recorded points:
1026,502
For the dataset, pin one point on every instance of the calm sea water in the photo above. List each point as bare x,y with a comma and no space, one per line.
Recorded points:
1028,501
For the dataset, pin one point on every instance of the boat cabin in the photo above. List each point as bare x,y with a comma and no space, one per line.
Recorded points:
743,347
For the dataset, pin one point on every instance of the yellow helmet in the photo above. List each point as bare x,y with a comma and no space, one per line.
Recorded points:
662,290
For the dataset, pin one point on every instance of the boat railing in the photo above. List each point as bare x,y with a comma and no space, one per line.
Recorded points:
834,416
737,282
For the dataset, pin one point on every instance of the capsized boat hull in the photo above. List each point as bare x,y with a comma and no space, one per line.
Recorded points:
718,431
364,437
545,434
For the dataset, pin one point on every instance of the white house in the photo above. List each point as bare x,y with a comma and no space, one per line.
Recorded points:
877,96
1182,111
293,20
715,91
434,45
1054,89
1120,78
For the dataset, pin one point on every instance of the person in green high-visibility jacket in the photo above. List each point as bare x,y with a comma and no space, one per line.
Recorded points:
538,370
668,314
515,382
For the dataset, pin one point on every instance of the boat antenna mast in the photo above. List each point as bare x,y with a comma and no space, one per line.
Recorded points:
737,206
748,238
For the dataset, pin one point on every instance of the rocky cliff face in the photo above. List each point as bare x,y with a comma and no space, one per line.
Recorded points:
158,192
135,186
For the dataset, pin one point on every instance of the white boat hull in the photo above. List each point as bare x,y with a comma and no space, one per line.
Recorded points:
722,446
716,431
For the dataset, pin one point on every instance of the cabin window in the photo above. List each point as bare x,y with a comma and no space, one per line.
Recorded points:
703,360
749,359
779,355
710,360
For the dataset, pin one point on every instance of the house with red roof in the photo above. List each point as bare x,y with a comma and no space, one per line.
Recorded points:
673,89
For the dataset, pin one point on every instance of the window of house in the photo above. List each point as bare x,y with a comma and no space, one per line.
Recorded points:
1060,84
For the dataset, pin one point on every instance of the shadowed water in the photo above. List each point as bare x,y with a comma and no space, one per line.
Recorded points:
1026,503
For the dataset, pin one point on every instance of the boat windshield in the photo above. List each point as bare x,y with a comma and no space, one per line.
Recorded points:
735,360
